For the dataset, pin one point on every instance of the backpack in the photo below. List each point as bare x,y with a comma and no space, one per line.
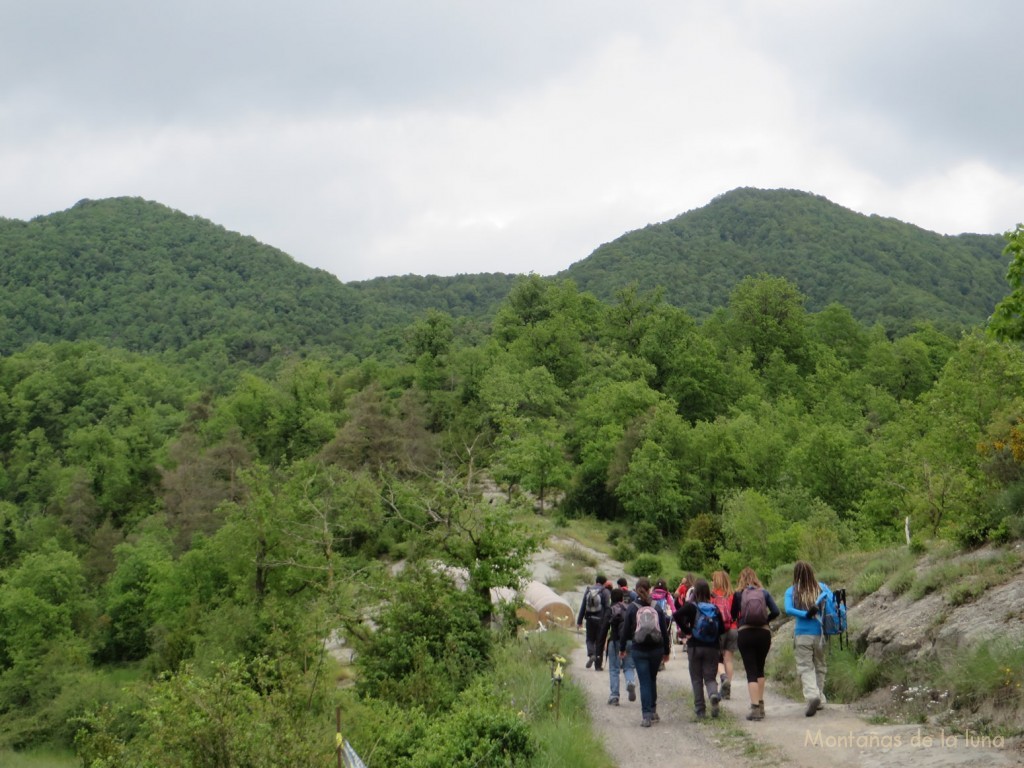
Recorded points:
724,605
618,613
662,603
705,627
648,625
832,612
594,605
753,608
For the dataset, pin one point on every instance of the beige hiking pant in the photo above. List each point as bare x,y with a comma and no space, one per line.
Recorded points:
811,665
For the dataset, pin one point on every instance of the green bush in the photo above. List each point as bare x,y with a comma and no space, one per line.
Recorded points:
480,730
851,676
692,556
901,581
647,565
428,646
623,551
647,537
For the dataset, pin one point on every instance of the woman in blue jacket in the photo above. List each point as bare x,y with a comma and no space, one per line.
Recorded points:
803,601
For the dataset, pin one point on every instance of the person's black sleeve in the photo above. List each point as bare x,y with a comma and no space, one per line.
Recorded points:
773,609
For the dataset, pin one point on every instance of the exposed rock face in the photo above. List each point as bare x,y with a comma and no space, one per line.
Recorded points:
889,626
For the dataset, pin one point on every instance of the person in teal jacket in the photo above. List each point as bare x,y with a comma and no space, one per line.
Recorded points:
803,601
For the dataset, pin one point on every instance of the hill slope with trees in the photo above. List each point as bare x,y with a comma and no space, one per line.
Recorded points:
174,554
138,275
882,269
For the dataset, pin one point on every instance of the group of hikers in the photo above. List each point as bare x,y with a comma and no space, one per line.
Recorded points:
631,629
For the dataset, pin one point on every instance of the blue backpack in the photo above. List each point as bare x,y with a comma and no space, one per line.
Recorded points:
705,627
832,610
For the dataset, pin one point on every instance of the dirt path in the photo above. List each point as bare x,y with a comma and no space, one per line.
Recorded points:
676,740
836,737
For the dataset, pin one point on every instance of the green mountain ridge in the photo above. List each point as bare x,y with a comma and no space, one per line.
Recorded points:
142,276
884,270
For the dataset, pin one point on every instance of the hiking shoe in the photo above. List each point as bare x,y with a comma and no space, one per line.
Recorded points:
590,661
700,715
645,723
654,717
726,688
715,698
812,707
631,691
613,701
756,712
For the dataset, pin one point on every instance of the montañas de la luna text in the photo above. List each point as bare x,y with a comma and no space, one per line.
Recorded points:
940,740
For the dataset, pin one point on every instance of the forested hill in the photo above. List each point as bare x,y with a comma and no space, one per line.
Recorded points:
882,269
141,276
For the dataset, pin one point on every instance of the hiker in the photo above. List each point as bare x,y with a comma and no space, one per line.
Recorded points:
684,592
647,629
617,614
753,608
703,625
601,643
721,596
592,611
666,604
803,602
663,597
628,595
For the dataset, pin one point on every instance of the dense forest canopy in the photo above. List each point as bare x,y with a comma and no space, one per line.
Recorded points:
885,271
206,533
138,275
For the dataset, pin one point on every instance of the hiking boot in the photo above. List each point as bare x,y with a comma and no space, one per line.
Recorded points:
613,701
715,698
726,688
645,723
700,714
590,661
631,691
654,717
812,706
756,712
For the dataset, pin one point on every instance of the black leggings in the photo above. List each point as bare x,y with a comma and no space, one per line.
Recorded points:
754,644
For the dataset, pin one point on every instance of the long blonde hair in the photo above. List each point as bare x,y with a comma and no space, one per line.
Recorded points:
721,583
805,586
748,578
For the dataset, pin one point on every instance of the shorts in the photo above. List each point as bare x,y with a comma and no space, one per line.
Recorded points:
729,641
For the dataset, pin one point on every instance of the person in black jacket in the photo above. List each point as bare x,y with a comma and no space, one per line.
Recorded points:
650,647
702,644
617,614
754,636
594,611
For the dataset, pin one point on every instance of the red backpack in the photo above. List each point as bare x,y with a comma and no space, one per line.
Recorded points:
724,605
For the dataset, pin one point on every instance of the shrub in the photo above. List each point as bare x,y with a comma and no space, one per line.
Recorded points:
901,581
647,537
692,555
851,676
646,565
428,646
478,731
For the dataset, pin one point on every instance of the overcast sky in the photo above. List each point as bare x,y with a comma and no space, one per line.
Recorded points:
389,137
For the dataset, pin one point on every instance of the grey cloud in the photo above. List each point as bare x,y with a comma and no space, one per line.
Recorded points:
931,78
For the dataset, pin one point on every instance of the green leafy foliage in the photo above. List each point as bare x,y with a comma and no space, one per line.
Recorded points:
241,486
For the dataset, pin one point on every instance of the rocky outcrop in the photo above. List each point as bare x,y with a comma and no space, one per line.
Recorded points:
888,626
